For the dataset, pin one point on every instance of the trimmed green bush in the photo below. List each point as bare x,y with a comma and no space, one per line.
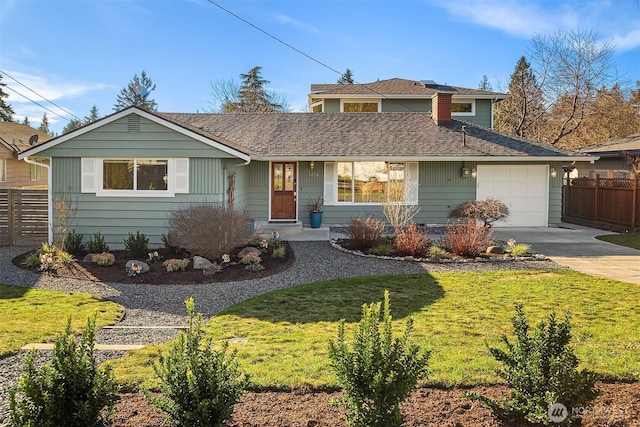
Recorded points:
542,369
137,245
96,244
73,243
378,372
70,391
200,385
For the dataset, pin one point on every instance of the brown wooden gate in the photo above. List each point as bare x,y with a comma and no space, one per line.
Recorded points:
23,216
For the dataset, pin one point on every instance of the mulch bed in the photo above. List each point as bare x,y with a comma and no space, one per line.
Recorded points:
617,406
116,273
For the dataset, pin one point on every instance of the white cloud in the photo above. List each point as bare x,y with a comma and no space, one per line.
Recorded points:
524,18
284,19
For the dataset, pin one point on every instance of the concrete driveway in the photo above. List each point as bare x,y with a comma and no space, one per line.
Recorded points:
576,247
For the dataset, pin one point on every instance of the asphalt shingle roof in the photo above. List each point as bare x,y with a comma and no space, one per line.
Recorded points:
396,87
11,131
358,135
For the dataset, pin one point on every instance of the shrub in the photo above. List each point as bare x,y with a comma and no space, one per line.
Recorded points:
517,249
278,252
542,369
104,259
251,258
436,252
382,249
200,385
487,211
48,261
170,247
411,241
69,391
137,245
209,231
365,232
32,260
96,244
174,264
379,372
64,257
466,239
73,243
275,240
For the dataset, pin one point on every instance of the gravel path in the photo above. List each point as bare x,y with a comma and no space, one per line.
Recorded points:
163,305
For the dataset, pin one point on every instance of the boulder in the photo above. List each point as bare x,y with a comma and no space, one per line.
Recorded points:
88,258
495,250
248,250
200,263
144,265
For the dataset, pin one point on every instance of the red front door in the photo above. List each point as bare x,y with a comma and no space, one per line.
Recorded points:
283,190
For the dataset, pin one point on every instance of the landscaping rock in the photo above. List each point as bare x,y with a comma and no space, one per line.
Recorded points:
496,250
200,263
88,258
248,250
144,265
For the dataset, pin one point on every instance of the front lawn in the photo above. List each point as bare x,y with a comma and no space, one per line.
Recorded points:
37,316
630,240
282,336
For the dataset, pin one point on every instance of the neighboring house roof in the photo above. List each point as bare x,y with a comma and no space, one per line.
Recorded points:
398,88
332,136
613,148
15,133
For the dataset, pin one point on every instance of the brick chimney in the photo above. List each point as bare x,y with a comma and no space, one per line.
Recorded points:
441,108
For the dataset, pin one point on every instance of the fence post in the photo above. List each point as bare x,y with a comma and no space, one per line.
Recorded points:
595,210
634,204
11,209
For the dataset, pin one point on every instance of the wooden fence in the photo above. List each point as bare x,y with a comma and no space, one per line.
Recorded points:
609,200
23,216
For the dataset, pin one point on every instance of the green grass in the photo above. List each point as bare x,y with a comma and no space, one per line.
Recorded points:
456,315
630,240
37,316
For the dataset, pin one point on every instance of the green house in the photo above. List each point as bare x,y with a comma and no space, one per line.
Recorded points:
128,171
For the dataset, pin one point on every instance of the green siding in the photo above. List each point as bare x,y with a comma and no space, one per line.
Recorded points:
152,141
331,106
258,190
65,173
205,176
406,105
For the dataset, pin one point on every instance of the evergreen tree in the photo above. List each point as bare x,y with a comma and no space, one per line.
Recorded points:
485,84
72,125
346,78
252,96
93,116
522,113
6,112
26,121
44,124
136,93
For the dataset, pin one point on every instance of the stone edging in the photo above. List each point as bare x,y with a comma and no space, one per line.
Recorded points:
504,258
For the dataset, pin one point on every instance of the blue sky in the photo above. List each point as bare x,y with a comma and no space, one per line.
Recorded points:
80,53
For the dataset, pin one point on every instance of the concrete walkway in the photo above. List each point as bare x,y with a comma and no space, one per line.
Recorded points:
576,247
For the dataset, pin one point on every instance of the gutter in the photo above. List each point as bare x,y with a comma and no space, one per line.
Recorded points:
49,198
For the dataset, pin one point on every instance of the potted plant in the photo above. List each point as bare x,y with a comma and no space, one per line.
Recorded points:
315,211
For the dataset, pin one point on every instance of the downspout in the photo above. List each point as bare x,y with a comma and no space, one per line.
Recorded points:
49,197
225,169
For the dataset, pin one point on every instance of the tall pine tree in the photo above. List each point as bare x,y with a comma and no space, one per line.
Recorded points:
253,96
522,114
346,78
44,124
136,93
6,112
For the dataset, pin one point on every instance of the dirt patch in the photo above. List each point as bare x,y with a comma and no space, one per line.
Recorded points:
617,406
158,275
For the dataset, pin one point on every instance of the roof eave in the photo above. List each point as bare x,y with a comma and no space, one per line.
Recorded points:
329,158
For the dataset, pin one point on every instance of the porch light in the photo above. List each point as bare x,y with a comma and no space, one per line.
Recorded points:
312,165
553,172
473,173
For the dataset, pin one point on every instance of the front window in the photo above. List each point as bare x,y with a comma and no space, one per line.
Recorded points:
370,182
135,174
360,107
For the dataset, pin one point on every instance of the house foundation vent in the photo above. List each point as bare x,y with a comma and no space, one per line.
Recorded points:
133,123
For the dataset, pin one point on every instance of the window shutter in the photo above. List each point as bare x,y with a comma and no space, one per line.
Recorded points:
329,183
411,182
181,175
88,172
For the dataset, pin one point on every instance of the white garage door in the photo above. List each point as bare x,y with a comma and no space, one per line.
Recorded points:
524,189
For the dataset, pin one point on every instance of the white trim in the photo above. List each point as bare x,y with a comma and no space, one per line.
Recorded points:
531,159
360,101
296,192
134,110
3,170
403,96
101,192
